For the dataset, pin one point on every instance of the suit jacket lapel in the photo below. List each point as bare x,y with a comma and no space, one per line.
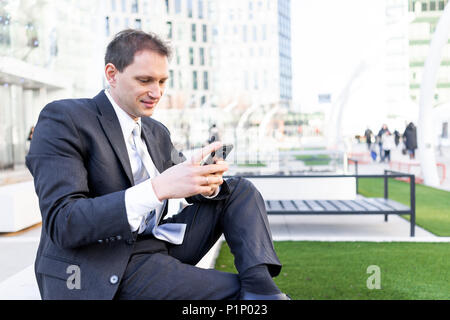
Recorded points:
111,127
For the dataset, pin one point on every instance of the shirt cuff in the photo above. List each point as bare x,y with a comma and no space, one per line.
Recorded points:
139,201
214,195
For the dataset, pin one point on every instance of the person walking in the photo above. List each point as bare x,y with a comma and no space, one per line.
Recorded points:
380,142
388,145
410,139
368,134
396,137
30,134
213,134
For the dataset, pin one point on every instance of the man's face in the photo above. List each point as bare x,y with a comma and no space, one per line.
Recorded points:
140,86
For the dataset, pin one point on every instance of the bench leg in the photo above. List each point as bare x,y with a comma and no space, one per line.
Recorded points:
385,217
413,224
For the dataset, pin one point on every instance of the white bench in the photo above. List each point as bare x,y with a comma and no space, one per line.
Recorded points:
20,207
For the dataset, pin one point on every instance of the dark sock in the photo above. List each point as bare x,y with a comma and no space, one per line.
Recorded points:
257,280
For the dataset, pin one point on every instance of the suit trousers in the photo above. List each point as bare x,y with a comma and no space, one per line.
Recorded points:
161,270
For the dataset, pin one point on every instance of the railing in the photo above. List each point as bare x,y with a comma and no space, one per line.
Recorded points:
411,165
355,162
412,192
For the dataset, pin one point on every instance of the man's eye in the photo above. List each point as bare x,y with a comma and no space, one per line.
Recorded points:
144,80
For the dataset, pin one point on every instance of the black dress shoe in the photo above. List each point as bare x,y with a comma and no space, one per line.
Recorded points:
245,295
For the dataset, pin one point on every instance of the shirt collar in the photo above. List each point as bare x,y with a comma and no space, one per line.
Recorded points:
126,122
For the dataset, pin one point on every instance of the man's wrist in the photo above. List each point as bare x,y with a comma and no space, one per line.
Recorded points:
157,189
140,199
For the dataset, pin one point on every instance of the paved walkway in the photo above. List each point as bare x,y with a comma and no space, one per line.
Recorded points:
347,228
403,163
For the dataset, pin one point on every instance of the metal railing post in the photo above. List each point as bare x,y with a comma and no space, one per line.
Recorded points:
356,172
412,198
386,191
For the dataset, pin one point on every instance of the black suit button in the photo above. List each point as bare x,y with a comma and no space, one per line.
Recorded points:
130,241
100,241
112,239
113,279
119,238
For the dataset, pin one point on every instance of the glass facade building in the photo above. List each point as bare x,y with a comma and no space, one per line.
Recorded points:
252,51
39,63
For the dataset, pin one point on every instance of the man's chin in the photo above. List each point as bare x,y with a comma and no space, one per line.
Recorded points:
147,112
147,109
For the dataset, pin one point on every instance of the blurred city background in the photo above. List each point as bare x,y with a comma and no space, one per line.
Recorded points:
294,85
300,88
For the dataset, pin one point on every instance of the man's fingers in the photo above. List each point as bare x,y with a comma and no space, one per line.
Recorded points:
221,161
212,168
213,180
204,190
210,180
205,151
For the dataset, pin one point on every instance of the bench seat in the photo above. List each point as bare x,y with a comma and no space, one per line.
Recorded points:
358,206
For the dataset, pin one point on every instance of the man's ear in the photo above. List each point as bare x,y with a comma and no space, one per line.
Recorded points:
111,73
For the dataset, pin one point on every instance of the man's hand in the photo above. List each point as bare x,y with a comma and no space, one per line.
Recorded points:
215,179
190,178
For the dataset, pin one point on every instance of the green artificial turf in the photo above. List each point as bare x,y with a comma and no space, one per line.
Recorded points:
252,165
339,270
314,160
432,205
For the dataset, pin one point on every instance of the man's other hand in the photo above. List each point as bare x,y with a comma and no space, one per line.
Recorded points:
215,179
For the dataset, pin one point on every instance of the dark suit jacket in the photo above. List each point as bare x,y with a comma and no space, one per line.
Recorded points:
81,170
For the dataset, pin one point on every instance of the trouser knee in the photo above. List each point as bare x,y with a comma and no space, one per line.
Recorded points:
240,184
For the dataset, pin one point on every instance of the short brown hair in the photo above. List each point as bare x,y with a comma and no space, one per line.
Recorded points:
121,50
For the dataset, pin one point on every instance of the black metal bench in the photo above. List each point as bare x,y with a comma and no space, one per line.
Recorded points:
360,205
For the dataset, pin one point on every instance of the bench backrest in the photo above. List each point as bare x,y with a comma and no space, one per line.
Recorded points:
306,188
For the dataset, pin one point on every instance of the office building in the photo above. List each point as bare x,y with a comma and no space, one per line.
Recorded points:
396,59
426,16
252,51
188,28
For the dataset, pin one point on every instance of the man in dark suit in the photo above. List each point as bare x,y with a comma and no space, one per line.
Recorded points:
104,170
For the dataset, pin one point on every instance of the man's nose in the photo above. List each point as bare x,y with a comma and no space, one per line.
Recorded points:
154,92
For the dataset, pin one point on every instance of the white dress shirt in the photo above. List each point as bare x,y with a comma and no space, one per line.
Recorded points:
139,199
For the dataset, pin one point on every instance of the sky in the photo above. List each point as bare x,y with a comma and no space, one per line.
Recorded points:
329,40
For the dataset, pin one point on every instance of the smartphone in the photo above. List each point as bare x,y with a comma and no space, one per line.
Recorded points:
219,154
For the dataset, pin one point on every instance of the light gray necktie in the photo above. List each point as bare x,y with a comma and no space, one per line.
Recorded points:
170,232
